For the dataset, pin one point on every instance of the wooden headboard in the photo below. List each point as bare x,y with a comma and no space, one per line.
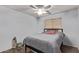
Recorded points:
53,24
45,29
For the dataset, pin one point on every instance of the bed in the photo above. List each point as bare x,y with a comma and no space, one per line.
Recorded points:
45,42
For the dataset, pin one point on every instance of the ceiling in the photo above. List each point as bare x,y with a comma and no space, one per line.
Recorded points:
28,10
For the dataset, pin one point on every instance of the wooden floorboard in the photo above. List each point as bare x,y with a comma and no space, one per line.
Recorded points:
69,49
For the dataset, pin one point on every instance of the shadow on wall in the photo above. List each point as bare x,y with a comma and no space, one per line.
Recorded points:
66,41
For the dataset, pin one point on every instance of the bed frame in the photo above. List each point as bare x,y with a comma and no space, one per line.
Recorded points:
53,29
26,46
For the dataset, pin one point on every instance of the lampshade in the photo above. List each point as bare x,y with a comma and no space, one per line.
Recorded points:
53,23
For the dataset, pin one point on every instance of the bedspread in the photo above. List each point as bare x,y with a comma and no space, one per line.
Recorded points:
44,42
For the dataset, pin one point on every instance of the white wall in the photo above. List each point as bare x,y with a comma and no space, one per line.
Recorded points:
70,21
13,23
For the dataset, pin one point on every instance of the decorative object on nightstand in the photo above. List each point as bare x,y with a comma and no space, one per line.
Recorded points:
14,42
19,45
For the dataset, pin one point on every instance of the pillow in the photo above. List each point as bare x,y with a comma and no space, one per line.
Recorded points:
51,31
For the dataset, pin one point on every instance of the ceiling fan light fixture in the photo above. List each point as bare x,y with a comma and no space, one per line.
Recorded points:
41,9
40,12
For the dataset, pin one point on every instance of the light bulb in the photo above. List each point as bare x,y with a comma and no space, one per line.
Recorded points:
40,11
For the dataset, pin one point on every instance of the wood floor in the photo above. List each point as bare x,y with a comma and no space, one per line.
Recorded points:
64,49
69,49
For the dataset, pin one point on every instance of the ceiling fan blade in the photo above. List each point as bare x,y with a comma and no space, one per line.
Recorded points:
39,6
48,7
33,6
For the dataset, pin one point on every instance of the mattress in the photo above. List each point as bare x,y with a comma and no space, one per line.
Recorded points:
45,42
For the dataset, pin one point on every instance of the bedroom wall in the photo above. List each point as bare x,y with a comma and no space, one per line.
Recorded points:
13,23
70,22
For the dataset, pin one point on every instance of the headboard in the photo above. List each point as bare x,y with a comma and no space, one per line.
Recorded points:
45,29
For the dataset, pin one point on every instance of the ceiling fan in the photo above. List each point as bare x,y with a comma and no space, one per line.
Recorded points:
41,9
